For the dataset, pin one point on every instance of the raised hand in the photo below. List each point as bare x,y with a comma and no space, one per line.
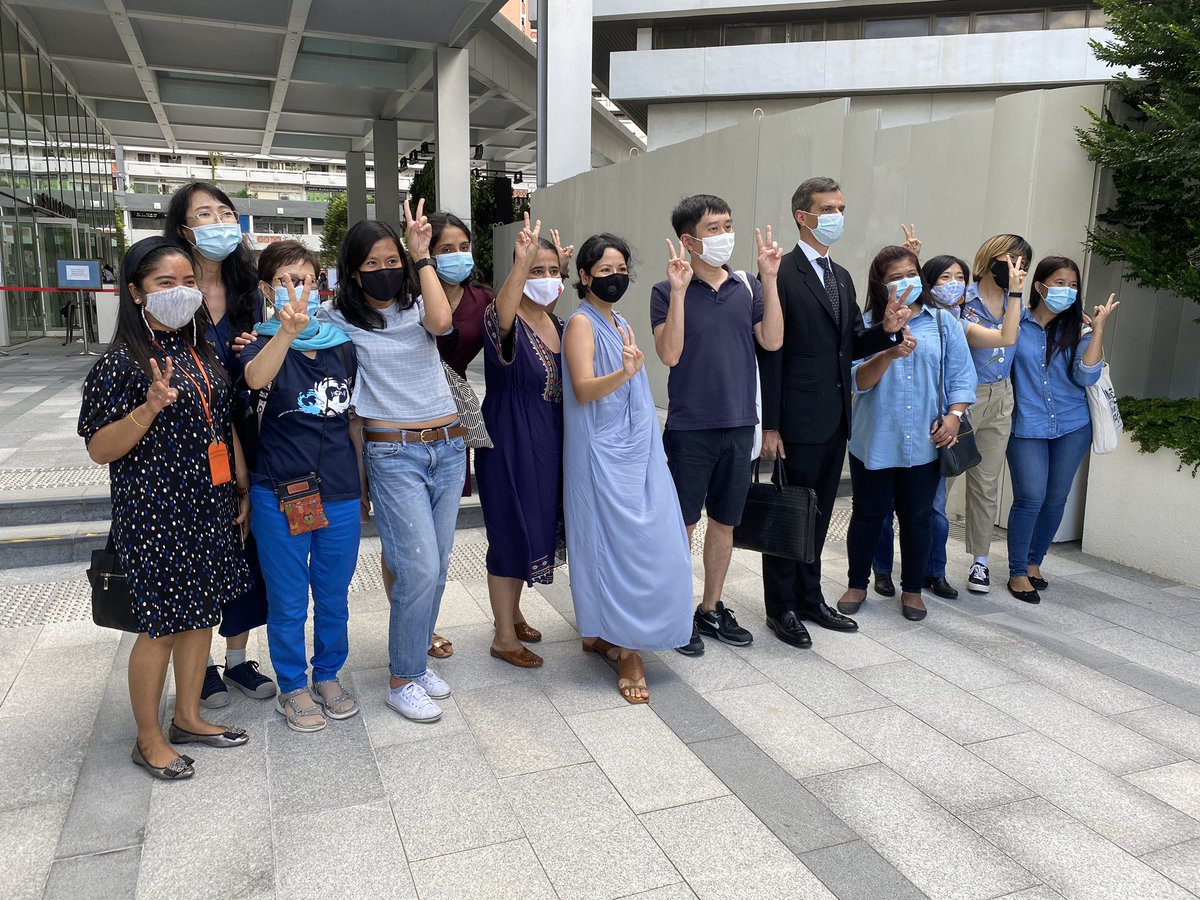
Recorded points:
911,241
905,346
1100,314
293,316
632,359
418,230
161,394
897,313
1016,273
769,254
527,245
679,269
564,253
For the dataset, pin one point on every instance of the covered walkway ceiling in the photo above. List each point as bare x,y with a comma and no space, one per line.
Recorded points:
296,77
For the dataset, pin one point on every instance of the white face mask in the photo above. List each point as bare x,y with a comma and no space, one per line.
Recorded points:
718,249
543,291
175,306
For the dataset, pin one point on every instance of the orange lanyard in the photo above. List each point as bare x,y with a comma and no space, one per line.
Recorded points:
205,395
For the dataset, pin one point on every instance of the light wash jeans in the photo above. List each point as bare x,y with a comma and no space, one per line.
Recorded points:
415,489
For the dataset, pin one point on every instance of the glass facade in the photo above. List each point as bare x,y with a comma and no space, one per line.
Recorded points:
56,187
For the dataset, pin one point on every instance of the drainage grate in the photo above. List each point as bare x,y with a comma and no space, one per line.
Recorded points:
33,479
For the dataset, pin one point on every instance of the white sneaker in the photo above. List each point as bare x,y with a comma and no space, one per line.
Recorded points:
434,686
979,579
412,702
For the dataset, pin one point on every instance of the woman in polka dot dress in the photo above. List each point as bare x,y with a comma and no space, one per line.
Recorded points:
156,408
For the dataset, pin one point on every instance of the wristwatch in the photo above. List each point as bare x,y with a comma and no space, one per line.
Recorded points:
422,263
1016,294
957,412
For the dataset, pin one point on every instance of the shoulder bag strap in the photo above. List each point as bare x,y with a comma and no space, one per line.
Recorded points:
941,366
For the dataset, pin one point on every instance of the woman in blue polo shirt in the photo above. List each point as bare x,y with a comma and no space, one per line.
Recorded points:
1054,361
304,493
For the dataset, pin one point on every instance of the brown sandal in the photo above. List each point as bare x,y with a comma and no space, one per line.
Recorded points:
522,659
527,633
440,648
630,672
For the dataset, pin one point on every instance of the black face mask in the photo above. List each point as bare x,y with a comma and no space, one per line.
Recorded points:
383,284
1000,273
610,288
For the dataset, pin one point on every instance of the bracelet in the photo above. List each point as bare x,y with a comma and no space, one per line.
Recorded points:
137,423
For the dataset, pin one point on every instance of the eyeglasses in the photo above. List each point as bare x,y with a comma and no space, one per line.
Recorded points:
208,217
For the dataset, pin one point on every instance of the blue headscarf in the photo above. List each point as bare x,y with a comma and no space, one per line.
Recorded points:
318,335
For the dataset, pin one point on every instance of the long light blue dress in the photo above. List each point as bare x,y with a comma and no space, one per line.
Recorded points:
631,568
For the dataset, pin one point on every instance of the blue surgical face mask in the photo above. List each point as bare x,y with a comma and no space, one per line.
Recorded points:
902,285
1060,299
455,268
282,299
949,293
218,240
829,228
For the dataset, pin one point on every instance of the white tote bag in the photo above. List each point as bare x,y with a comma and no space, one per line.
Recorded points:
1106,416
757,448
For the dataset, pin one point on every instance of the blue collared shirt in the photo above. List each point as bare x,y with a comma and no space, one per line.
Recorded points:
992,364
892,421
1047,402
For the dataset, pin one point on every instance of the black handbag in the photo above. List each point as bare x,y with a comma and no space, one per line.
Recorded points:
964,454
779,519
112,604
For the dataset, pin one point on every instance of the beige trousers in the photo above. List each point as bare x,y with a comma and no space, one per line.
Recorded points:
991,417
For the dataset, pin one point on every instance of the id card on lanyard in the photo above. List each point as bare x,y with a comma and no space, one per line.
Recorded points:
218,452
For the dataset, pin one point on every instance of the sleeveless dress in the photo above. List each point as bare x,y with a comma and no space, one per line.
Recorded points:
631,567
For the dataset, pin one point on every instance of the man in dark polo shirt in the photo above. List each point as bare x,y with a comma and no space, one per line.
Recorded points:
706,319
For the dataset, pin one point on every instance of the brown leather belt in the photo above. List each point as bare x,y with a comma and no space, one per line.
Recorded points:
424,436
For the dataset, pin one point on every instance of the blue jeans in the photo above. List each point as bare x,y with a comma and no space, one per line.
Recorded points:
323,560
939,527
1042,472
415,489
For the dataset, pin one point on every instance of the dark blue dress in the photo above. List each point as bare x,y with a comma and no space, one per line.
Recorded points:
520,478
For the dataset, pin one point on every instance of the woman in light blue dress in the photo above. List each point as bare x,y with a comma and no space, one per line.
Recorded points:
631,569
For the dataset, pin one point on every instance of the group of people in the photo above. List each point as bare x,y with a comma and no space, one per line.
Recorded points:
251,429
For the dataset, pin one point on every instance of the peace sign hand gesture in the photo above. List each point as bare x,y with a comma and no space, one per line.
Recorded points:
679,269
161,394
293,316
1101,313
911,241
769,254
1016,273
418,230
564,253
897,313
527,244
632,359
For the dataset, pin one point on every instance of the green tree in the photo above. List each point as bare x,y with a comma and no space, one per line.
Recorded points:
334,229
424,186
119,225
1152,149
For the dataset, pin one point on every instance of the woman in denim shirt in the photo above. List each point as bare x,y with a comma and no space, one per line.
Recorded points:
1054,361
900,419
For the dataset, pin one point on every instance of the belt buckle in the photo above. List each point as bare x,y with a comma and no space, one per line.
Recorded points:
431,440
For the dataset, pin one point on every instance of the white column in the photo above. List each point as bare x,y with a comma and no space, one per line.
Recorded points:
564,99
452,180
356,187
387,173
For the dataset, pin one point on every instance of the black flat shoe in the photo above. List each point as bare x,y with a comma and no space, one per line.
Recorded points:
177,769
940,587
789,629
884,586
1039,584
829,618
1025,596
231,737
850,607
912,613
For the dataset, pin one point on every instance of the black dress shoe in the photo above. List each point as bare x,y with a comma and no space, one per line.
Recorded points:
941,587
1025,596
1039,584
830,618
884,586
912,613
789,629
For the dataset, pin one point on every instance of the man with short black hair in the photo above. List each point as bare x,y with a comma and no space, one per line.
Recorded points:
806,395
707,320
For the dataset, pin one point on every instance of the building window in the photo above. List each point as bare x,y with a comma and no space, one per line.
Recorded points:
318,167
1097,18
232,163
144,157
670,38
808,31
263,164
1066,18
169,158
741,35
952,25
705,37
850,30
896,28
995,23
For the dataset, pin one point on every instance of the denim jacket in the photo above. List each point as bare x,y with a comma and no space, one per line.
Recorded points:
1049,401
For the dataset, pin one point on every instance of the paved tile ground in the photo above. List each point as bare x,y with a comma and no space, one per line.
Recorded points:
992,750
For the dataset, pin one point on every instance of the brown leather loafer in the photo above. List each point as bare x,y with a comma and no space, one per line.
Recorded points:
522,659
527,633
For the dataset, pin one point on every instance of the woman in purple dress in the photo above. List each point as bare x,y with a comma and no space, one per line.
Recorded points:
520,477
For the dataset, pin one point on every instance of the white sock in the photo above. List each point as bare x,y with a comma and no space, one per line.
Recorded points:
234,657
982,560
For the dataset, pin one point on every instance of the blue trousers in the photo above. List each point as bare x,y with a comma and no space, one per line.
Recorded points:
1042,472
292,564
939,529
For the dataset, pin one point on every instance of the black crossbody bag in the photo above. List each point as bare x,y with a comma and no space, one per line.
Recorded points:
963,454
112,604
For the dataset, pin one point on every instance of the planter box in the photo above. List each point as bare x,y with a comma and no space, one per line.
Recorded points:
1142,513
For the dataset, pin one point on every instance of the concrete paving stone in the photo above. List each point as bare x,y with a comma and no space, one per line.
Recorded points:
852,649
545,618
1069,857
385,726
1180,863
1073,553
854,871
1108,744
590,844
943,770
678,891
472,666
38,686
1070,646
811,679
302,766
40,758
645,761
27,835
950,660
102,876
1041,892
1127,816
685,711
723,851
1137,591
1184,590
576,682
75,634
905,826
794,815
368,634
789,732
718,669
1164,688
1133,647
946,708
558,595
356,849
1173,630
518,729
15,644
445,797
108,781
1169,726
459,608
1058,614
501,870
1177,785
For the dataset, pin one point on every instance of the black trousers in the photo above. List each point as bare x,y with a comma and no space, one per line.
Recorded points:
875,490
796,586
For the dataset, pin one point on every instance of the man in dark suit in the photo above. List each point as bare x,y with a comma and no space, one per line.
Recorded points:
806,395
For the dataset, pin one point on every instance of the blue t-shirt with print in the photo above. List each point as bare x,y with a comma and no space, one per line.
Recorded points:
305,425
